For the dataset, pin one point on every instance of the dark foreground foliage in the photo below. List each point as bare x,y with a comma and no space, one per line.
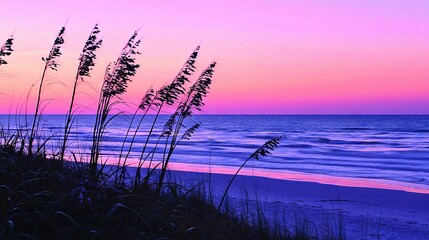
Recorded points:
55,198
39,200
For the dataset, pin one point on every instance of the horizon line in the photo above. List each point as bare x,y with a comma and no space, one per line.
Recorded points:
255,114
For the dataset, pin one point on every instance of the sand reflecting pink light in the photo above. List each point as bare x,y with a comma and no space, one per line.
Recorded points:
293,176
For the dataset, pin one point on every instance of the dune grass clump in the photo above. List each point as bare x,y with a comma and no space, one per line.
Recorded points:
86,63
42,196
115,83
193,101
144,106
50,63
40,199
167,95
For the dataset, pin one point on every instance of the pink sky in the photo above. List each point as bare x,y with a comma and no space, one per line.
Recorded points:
275,56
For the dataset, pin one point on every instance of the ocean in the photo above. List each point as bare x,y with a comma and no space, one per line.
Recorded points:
392,148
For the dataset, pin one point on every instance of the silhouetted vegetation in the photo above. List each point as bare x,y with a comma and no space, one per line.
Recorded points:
6,50
50,63
42,196
86,62
39,200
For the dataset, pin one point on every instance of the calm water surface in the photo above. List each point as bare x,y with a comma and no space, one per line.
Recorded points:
390,147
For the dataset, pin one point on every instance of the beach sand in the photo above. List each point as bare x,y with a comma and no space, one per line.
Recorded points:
365,212
366,208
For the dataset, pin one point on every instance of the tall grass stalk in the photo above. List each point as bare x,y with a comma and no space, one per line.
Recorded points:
86,62
6,50
8,138
262,151
115,83
50,63
168,94
193,101
145,105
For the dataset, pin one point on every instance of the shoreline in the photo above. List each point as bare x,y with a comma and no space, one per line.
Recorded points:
286,175
365,212
398,214
308,189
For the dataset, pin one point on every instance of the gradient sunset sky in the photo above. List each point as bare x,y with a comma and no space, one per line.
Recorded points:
274,56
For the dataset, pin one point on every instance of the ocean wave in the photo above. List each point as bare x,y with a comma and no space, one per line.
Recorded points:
385,147
356,129
336,141
298,146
